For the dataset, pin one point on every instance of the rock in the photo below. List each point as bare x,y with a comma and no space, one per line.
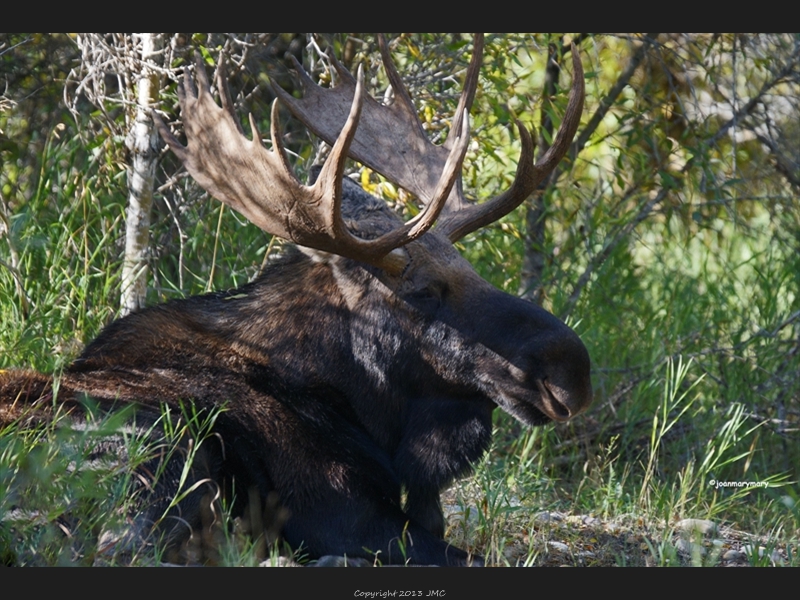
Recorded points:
702,526
341,561
775,555
278,561
558,546
457,515
690,548
734,556
548,517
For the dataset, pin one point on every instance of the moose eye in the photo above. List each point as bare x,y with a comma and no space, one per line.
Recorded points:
427,300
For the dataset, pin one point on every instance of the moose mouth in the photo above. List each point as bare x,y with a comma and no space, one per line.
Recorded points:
539,402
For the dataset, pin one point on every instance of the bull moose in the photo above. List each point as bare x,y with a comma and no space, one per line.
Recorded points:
359,372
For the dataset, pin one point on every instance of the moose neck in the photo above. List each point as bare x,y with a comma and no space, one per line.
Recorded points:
350,333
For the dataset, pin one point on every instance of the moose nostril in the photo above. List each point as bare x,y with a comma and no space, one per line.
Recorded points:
562,409
555,408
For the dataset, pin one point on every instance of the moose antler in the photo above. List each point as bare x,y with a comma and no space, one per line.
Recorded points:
391,139
260,184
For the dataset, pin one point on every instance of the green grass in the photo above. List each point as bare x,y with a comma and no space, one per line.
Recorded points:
55,499
600,509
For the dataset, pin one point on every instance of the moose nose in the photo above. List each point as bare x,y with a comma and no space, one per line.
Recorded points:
561,405
562,373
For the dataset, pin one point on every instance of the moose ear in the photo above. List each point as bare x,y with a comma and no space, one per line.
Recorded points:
319,256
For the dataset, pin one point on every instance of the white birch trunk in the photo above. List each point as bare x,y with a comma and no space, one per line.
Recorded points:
142,143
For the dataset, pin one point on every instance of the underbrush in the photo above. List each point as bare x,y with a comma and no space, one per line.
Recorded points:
667,501
74,487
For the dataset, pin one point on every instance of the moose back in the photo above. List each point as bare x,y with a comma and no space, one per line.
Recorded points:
362,366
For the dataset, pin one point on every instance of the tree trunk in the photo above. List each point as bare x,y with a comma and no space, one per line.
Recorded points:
533,259
142,143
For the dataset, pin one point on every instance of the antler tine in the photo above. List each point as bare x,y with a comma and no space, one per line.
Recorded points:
277,139
187,84
201,75
341,70
166,135
177,148
225,90
305,79
572,118
451,175
470,86
402,98
333,170
468,218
